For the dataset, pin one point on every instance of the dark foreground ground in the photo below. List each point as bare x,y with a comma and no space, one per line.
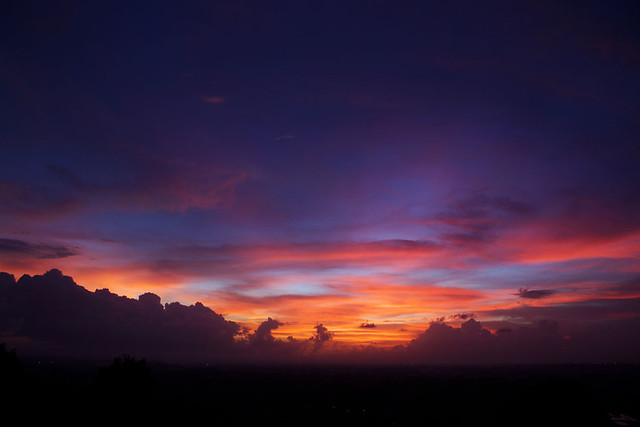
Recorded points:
133,391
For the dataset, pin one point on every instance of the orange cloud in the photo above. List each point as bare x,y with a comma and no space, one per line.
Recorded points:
397,310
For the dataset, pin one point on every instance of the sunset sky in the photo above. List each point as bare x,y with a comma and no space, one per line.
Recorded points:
371,166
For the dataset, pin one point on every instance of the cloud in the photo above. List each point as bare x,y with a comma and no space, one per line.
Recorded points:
213,99
595,329
263,334
462,316
478,218
57,316
539,341
26,200
52,315
7,279
149,183
536,294
321,335
472,343
236,260
285,136
140,182
20,248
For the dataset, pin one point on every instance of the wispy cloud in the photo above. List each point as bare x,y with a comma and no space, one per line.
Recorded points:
535,294
213,99
22,249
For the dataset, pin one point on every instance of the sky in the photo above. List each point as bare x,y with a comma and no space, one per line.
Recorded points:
372,167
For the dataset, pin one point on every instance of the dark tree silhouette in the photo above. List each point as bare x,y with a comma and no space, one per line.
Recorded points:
10,367
125,380
12,376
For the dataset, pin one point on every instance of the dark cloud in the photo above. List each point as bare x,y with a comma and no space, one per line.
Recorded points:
471,343
142,183
535,294
237,260
52,315
7,279
20,248
60,317
263,335
597,212
576,313
321,335
476,217
463,316
28,200
532,337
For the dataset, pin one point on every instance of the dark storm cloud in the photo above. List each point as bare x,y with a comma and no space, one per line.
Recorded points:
22,249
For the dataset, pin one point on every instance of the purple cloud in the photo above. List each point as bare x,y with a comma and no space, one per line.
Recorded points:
535,294
19,248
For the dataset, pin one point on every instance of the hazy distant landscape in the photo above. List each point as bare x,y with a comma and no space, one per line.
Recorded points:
95,355
77,355
326,395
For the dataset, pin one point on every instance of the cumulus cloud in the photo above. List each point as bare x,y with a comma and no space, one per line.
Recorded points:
54,315
321,335
263,334
7,279
57,315
536,341
472,343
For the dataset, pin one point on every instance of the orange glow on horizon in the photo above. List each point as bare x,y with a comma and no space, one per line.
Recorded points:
375,291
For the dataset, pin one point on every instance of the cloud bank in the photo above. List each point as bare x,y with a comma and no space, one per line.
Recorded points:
52,315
